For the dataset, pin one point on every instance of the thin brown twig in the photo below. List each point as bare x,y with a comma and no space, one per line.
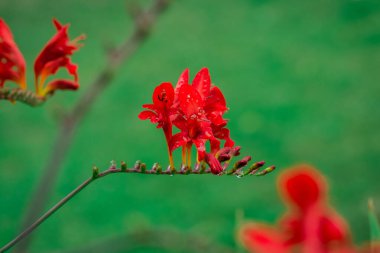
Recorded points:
143,24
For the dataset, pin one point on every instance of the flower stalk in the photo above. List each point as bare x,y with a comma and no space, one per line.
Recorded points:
25,96
139,167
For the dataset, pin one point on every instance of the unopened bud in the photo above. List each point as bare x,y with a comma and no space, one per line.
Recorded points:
243,162
113,165
123,166
137,165
266,171
142,167
235,151
254,168
157,168
95,172
224,157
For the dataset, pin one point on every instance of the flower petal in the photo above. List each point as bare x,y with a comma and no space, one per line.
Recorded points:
148,115
202,83
12,63
55,54
260,238
302,187
59,84
178,140
163,96
150,107
215,101
190,101
333,229
182,80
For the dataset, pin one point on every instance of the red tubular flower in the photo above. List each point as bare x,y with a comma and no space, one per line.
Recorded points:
310,225
55,55
12,63
201,107
197,111
191,120
159,112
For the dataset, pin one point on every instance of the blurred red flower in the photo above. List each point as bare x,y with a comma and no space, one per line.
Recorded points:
12,63
310,224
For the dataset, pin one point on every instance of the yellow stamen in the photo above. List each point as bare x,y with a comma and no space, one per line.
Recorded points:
189,155
184,155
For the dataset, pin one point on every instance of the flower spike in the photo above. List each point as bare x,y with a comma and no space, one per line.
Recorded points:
12,63
197,110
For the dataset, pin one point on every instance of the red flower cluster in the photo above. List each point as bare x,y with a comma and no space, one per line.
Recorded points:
309,226
196,109
55,55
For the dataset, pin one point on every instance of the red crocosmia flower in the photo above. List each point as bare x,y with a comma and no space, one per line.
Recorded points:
55,55
159,112
309,226
196,109
201,107
191,120
12,63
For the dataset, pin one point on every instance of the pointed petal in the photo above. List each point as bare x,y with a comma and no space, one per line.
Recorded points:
190,101
59,84
183,79
55,54
57,24
223,134
202,83
148,115
177,140
150,107
215,101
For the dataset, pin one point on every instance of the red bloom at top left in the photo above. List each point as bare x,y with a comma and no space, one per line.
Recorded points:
12,63
54,56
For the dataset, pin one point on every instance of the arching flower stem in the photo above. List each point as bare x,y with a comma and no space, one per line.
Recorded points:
139,168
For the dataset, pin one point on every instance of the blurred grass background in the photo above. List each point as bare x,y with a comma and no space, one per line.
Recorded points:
301,79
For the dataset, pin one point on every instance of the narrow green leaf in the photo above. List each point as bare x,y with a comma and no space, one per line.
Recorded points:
373,222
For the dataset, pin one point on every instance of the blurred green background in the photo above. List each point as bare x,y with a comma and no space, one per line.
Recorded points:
301,79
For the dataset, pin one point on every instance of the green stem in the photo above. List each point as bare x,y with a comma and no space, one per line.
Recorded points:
62,202
138,168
